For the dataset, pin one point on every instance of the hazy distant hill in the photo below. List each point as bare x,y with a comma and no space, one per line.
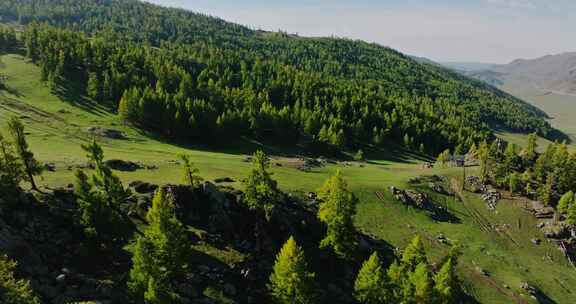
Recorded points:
551,73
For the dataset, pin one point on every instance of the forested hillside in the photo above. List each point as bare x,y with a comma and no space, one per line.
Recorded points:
193,76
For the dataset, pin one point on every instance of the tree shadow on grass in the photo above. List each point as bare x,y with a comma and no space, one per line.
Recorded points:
73,93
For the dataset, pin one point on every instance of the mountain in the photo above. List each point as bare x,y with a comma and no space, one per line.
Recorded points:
550,74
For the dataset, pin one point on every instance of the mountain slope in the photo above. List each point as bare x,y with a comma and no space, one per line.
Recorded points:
551,73
368,81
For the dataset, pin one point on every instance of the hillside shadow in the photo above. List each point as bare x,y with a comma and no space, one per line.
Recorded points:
73,93
244,145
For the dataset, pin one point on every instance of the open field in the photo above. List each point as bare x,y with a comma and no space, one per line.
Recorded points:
497,242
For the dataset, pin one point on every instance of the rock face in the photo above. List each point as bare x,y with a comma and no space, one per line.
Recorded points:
410,197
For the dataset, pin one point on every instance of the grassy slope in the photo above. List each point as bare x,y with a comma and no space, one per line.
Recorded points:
57,129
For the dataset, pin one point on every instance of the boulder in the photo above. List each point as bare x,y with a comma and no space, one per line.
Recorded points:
122,165
143,187
107,133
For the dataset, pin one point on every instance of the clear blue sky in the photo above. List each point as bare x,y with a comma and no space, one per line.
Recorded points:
493,31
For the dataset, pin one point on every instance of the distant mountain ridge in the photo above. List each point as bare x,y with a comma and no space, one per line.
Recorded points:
550,74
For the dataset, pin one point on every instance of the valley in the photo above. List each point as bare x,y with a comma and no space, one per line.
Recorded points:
174,161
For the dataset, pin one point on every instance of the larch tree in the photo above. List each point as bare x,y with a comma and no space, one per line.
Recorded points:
13,290
11,170
446,283
291,282
414,254
261,192
337,210
161,254
423,284
31,166
371,285
191,173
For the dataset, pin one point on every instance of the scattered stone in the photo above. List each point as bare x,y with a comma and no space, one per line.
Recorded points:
61,278
437,188
122,165
482,271
51,167
107,133
536,241
143,187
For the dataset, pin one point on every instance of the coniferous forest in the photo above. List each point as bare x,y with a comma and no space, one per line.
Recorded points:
193,76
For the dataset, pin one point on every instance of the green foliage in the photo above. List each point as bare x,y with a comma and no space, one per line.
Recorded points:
191,173
99,198
12,290
444,157
337,209
446,282
261,192
414,254
371,285
530,153
31,166
514,183
290,281
198,77
566,202
423,284
11,170
359,156
160,255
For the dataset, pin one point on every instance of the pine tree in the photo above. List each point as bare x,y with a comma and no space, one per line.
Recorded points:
337,210
514,183
371,285
566,202
446,283
290,281
547,190
423,285
261,191
94,87
530,152
12,290
31,166
161,254
191,173
11,170
414,254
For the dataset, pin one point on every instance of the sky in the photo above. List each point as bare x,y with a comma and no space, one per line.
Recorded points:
490,31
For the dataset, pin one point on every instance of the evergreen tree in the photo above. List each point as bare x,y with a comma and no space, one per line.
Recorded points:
261,191
31,166
423,285
161,254
371,285
94,87
446,283
12,290
546,193
290,281
414,254
337,210
530,153
191,173
100,198
514,183
11,170
567,200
